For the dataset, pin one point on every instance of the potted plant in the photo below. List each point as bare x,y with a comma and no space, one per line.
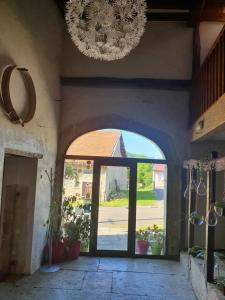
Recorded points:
54,249
220,208
156,238
220,282
142,241
76,229
58,252
196,219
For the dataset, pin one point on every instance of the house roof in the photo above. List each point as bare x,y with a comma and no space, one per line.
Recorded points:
95,143
159,167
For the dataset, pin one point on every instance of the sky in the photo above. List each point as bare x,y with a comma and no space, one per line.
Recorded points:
138,144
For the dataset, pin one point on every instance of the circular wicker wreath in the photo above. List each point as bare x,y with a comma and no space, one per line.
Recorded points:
6,101
106,29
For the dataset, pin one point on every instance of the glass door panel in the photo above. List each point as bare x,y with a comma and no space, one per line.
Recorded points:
113,212
151,209
77,190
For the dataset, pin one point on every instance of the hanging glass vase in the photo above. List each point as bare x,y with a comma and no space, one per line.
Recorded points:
220,206
186,192
201,188
196,219
211,218
193,185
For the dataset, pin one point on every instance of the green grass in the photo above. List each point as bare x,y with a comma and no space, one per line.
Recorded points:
145,197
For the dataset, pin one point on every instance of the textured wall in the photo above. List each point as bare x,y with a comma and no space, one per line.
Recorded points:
159,115
25,41
165,51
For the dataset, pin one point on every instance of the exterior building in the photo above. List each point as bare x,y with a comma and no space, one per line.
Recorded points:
113,179
159,176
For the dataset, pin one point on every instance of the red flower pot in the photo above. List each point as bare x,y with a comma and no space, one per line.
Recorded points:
72,250
57,252
142,247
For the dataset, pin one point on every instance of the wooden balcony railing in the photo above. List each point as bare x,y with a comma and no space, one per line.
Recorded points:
209,82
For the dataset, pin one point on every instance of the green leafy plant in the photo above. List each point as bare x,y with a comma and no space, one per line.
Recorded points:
76,224
142,234
197,251
156,235
220,282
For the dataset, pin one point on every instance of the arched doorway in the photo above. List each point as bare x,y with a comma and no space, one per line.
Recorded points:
122,177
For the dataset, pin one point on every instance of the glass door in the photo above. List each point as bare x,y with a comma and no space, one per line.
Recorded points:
127,199
113,209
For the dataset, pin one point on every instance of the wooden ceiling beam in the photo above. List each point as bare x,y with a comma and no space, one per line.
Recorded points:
207,10
131,83
165,16
201,10
171,4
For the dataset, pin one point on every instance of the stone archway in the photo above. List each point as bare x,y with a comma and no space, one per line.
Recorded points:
163,140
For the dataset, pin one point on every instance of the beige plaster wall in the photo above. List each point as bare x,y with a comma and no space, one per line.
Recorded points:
161,110
165,51
159,115
209,32
30,36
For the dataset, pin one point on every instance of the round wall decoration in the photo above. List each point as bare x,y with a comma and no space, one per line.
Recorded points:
6,101
106,29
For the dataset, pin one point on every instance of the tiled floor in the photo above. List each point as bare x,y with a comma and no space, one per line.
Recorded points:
104,279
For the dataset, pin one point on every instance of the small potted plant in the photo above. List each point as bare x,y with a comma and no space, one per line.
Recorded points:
196,219
76,229
220,282
156,238
220,208
142,241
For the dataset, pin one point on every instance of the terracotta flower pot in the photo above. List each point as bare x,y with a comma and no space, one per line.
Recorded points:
142,247
58,252
72,250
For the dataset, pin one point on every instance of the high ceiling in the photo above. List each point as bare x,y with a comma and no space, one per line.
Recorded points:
191,11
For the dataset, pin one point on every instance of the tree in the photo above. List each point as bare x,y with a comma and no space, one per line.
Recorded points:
71,172
144,174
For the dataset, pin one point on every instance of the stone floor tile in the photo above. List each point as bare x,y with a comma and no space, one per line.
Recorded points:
145,284
104,279
82,263
141,265
61,294
64,279
25,293
135,297
97,281
116,264
11,292
158,266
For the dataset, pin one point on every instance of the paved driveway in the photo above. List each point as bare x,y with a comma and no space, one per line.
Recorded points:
113,224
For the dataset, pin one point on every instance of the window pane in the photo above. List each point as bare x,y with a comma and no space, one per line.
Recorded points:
113,208
77,189
150,217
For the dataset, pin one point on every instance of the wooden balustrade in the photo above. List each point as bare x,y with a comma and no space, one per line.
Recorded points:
209,82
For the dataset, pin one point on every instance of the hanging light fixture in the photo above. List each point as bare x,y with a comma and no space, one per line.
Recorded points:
106,29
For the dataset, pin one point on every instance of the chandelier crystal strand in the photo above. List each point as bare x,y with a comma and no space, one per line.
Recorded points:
106,30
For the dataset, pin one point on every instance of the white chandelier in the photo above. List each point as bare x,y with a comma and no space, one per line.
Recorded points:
106,29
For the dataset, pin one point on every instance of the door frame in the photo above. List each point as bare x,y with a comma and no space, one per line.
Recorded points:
131,163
